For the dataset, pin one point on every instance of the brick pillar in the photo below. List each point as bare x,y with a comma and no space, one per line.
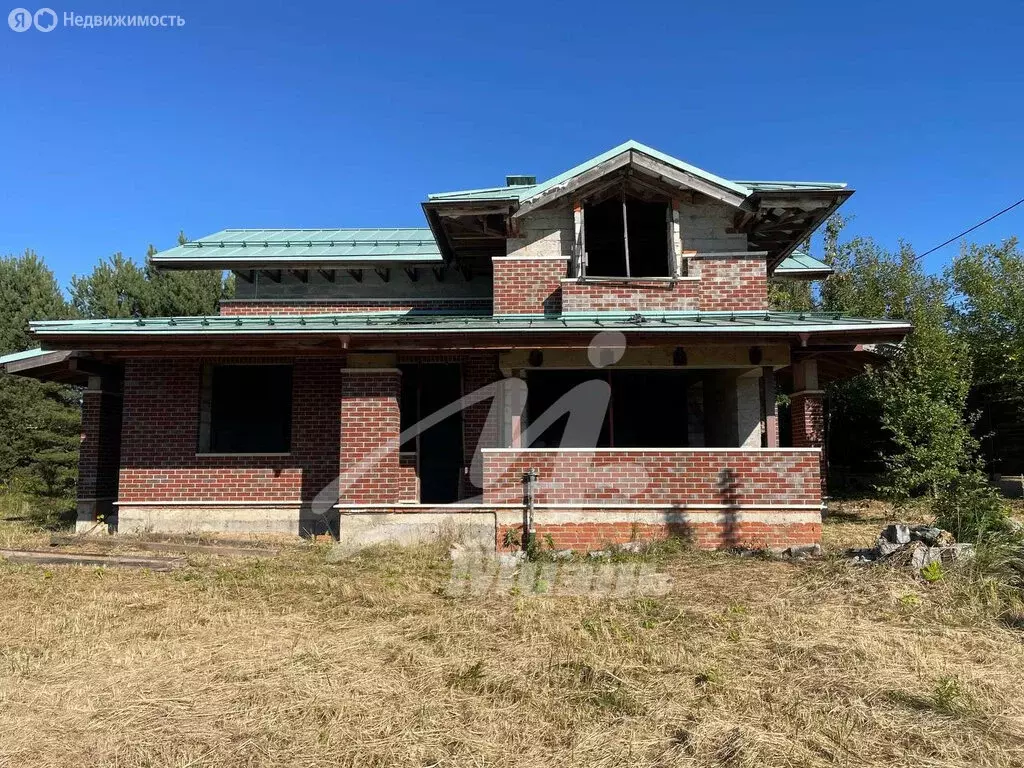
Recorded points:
370,427
481,423
807,406
770,408
807,412
99,453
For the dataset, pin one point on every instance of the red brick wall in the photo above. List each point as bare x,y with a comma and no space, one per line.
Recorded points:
732,284
407,483
599,535
100,446
536,286
630,296
528,286
247,307
740,477
160,438
808,419
370,425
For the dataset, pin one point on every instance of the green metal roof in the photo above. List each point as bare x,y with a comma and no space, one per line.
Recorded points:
781,323
28,354
800,264
283,248
523,193
793,186
516,193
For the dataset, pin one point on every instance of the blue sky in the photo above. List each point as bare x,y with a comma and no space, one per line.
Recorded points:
259,114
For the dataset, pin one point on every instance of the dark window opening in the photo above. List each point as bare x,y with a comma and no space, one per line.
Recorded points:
627,238
246,409
646,409
426,389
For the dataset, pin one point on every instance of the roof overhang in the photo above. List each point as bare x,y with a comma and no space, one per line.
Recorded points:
779,221
296,249
60,365
331,334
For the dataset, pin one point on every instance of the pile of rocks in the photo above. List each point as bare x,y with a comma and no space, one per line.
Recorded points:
916,546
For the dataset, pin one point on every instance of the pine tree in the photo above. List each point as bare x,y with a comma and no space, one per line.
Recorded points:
39,422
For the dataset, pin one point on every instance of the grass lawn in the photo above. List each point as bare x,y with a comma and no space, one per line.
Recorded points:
293,661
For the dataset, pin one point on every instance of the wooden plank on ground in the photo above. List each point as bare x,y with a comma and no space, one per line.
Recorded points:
31,557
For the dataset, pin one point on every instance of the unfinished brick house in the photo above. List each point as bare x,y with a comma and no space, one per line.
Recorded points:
607,330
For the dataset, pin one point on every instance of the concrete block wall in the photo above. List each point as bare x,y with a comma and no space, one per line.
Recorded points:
398,288
547,232
262,308
706,226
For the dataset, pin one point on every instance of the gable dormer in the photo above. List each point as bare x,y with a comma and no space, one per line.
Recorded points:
631,230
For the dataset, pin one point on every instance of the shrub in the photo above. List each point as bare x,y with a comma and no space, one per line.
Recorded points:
971,509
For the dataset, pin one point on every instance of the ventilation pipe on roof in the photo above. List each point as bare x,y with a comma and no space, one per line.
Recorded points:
520,181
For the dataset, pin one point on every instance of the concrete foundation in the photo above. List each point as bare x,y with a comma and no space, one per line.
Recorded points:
295,519
358,530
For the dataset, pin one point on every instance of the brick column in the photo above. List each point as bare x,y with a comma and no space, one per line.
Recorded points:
770,408
99,451
807,413
370,426
807,407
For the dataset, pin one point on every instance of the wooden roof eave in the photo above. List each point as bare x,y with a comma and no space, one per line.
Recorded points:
767,200
328,343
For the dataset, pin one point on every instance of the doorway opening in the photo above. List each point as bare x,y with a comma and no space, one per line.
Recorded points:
427,388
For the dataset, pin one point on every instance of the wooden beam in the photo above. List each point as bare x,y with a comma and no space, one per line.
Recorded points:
413,273
662,170
357,275
245,275
330,275
625,231
384,273
439,273
274,275
302,275
571,186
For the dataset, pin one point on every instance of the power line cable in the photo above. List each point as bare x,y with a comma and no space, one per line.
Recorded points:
968,231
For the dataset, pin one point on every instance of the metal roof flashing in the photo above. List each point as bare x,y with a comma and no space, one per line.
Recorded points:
419,322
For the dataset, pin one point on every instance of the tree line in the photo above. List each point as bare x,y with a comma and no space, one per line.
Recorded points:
913,413
40,422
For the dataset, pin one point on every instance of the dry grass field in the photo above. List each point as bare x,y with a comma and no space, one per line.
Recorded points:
294,661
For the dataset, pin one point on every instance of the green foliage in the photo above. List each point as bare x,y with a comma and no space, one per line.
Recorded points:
39,422
971,509
118,287
790,295
932,572
115,288
989,313
28,291
920,394
923,397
